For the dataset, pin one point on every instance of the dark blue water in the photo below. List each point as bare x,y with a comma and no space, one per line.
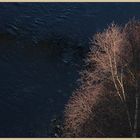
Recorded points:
41,50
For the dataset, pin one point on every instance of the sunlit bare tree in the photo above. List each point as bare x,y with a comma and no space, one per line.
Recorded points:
106,86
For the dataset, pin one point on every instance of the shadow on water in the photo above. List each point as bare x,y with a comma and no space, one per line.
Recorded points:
36,82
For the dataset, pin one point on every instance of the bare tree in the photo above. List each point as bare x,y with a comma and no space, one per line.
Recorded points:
113,59
132,29
112,45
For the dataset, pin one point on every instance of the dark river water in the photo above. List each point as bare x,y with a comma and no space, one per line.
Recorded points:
41,50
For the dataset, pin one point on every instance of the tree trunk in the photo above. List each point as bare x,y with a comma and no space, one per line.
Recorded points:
136,114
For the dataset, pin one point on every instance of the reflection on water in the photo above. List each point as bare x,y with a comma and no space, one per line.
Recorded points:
41,50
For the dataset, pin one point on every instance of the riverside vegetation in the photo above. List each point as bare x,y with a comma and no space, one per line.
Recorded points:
106,104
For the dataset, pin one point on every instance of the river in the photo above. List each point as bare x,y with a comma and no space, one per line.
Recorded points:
42,46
